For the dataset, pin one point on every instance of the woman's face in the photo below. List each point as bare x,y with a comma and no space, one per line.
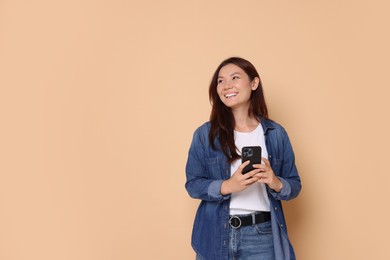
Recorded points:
234,86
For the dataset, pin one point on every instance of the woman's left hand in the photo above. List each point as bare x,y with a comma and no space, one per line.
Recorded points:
267,176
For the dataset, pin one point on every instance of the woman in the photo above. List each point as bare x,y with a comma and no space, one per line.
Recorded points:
240,215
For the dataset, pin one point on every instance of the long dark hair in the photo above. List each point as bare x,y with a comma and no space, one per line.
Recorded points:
221,116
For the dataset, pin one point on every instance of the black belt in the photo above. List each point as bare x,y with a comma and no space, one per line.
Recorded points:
237,221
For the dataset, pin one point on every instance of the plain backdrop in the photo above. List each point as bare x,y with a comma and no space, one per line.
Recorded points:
99,101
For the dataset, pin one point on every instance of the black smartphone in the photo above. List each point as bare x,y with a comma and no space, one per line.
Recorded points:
251,153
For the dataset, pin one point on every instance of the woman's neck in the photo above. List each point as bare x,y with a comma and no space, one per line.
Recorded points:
244,122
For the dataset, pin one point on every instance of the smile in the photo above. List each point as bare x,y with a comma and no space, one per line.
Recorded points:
230,95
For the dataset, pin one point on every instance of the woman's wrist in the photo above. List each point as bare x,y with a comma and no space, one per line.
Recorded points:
225,188
277,185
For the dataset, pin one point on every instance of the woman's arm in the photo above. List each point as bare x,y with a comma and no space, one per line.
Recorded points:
198,183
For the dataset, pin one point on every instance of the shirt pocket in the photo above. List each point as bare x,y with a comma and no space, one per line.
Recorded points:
213,168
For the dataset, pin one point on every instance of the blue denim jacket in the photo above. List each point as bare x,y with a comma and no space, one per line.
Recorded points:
206,169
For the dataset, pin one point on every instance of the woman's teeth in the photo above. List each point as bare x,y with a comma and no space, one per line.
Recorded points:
230,95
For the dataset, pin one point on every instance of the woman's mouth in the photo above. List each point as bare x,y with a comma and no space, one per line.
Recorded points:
230,95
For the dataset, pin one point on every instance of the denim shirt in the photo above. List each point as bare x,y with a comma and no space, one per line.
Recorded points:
207,168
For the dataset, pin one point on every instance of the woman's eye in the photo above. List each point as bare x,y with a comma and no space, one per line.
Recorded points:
236,77
219,81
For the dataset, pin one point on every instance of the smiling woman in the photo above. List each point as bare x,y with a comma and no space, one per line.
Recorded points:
241,215
232,76
234,87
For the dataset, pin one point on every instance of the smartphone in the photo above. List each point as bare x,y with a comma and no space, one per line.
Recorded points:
251,153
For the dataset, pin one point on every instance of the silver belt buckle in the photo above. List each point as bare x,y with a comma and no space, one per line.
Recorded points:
231,224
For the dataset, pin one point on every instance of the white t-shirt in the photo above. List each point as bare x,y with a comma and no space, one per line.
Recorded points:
255,197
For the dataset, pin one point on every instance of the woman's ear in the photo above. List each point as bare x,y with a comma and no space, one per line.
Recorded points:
255,83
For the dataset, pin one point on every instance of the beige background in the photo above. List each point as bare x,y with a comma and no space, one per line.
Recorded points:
99,100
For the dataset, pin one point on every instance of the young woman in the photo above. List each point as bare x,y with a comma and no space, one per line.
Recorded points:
240,215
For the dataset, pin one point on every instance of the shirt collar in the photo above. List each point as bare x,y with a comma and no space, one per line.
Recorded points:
266,124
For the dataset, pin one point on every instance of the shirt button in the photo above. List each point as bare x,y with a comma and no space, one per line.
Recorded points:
281,226
276,208
225,225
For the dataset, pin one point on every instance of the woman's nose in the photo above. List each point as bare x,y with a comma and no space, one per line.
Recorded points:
227,85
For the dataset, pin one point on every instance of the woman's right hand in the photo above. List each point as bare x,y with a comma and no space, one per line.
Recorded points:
238,181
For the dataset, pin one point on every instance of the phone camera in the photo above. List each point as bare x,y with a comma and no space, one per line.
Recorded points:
247,152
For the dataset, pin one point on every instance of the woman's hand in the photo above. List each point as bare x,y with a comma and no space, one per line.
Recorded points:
239,181
267,176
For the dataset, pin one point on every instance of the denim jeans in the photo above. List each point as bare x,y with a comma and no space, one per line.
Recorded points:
250,243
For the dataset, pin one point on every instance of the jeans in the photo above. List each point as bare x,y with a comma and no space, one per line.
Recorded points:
250,243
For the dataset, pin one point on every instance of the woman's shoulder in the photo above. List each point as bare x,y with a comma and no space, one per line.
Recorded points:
204,128
201,134
271,124
274,130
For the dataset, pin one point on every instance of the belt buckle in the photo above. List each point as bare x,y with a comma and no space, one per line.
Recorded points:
232,218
